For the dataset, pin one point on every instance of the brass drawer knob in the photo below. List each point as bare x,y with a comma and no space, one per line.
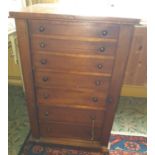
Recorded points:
42,44
46,96
45,78
43,61
98,82
99,66
104,33
94,99
41,29
102,49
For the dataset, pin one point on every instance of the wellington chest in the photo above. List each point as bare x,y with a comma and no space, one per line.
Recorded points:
73,67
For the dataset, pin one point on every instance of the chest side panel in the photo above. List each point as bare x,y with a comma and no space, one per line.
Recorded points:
123,48
25,57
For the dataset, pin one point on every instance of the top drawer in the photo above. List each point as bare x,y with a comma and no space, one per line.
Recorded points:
74,29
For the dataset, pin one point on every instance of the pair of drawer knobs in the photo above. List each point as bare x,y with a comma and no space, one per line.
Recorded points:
104,32
97,82
94,99
44,62
43,44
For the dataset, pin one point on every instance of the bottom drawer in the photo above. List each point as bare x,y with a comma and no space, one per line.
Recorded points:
66,130
70,115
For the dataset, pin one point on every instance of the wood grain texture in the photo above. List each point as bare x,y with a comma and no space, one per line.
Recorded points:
73,63
74,90
66,130
25,56
73,97
136,72
96,48
117,78
49,113
71,81
74,29
77,143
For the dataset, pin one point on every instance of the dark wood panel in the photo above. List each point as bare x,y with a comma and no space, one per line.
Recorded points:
73,63
74,97
123,49
25,57
73,46
71,81
78,29
64,130
136,71
48,113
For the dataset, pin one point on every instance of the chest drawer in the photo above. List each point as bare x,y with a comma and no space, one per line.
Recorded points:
73,46
71,81
70,115
71,97
74,29
73,63
65,130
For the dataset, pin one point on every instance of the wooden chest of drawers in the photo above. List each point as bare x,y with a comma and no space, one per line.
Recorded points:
73,67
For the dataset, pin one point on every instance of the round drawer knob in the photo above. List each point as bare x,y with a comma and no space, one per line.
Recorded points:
45,78
46,96
98,82
94,99
102,49
99,66
46,113
42,45
43,61
104,33
41,29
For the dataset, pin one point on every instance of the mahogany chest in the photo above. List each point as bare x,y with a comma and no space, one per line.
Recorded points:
73,67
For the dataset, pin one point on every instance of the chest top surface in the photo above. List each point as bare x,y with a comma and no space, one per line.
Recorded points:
76,11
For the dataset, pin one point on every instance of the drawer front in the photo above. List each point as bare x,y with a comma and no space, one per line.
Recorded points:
63,130
71,97
72,115
73,63
71,81
73,46
74,29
